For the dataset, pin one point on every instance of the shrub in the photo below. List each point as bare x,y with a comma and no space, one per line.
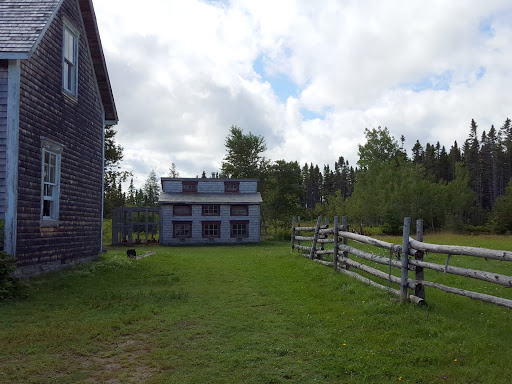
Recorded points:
9,285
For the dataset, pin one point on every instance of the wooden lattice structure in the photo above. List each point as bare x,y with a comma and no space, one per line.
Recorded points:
135,225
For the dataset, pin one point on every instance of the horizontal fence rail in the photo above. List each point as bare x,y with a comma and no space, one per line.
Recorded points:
406,257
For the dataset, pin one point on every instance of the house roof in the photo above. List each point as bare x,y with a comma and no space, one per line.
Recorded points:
204,179
23,24
209,198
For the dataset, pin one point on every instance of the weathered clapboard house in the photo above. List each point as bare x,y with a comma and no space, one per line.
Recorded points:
209,211
55,99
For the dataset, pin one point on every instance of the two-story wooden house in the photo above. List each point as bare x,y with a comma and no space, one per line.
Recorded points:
213,210
55,100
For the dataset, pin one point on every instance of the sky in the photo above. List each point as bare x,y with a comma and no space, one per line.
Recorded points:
308,76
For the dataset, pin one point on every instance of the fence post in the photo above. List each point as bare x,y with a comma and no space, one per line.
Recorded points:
405,259
420,274
293,234
315,238
326,224
298,232
335,256
344,224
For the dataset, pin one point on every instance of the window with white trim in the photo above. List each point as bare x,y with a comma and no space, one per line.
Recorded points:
50,183
70,59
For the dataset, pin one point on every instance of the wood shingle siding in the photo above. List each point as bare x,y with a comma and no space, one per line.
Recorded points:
3,132
77,124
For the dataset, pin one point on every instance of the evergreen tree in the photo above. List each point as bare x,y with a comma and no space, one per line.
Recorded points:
130,200
472,161
113,175
151,190
418,154
505,155
443,162
328,183
454,157
501,218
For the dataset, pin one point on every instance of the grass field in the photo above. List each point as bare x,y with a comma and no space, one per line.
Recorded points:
244,314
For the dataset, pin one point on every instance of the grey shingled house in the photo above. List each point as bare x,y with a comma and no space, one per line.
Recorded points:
213,210
55,100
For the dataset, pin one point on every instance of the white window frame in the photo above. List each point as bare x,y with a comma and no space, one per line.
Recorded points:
51,150
70,64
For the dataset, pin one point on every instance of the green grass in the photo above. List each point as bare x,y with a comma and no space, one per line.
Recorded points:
241,314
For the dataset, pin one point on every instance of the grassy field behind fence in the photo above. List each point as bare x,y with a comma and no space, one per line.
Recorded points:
244,314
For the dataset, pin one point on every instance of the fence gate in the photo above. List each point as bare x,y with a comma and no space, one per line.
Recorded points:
135,225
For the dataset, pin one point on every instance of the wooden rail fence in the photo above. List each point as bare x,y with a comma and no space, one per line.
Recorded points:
409,258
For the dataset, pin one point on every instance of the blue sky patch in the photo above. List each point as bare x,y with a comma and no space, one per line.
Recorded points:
439,82
311,115
486,27
282,84
481,73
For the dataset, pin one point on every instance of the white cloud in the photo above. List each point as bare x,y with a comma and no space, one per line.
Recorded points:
183,72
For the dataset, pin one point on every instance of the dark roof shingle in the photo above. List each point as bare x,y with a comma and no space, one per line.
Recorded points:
209,198
22,23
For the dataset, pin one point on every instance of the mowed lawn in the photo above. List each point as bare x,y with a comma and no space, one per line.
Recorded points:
242,314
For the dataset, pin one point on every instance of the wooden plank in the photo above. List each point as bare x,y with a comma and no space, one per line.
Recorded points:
304,238
462,292
490,277
369,256
325,241
371,241
365,280
375,272
462,250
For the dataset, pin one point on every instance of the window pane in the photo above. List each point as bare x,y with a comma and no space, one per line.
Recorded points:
69,46
211,230
48,190
182,230
210,210
239,210
52,175
50,187
47,208
46,174
182,210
